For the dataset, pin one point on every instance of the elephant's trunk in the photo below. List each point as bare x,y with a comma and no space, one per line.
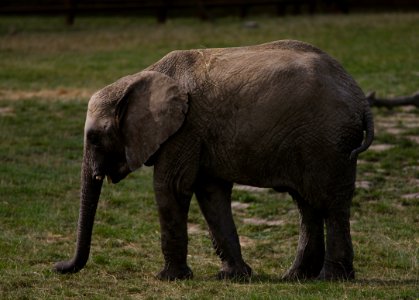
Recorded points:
91,185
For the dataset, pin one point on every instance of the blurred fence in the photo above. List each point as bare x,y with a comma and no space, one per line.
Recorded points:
205,9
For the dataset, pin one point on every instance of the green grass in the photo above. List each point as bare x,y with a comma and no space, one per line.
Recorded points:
43,66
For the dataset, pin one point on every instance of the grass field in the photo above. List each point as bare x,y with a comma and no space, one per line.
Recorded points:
47,73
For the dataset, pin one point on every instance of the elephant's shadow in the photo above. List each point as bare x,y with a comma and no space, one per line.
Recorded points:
254,279
257,279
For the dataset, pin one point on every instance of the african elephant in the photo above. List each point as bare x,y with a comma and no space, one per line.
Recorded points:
283,115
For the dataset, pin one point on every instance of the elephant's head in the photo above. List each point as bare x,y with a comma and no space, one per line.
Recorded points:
126,123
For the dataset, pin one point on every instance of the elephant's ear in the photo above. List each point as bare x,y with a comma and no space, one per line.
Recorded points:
151,109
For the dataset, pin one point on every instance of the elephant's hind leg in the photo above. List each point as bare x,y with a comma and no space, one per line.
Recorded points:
310,251
338,263
214,197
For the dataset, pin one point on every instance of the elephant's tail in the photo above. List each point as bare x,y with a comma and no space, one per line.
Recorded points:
368,123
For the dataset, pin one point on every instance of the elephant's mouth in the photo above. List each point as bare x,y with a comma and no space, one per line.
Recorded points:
108,178
118,175
113,178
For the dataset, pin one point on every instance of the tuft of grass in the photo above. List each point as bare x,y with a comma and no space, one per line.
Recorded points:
42,63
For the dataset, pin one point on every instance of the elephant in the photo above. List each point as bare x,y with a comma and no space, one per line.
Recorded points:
283,115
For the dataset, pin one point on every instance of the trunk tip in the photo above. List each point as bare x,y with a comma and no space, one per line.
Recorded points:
66,267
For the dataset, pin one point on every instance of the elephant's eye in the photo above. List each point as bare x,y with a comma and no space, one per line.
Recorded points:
94,138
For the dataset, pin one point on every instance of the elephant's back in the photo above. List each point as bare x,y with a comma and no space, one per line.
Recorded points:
268,82
282,104
282,65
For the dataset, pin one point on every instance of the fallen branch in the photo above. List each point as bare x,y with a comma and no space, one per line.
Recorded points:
393,102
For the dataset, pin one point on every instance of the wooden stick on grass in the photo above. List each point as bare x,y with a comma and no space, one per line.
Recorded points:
393,102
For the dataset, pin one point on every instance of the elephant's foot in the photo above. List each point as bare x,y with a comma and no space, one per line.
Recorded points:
336,271
296,273
299,273
236,272
170,273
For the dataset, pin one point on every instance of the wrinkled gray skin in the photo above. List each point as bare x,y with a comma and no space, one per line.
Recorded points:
283,115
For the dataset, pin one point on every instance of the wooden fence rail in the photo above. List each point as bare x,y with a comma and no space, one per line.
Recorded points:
159,8
202,8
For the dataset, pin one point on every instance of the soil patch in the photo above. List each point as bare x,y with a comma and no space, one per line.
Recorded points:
239,205
257,221
195,229
380,147
248,188
53,94
411,196
6,111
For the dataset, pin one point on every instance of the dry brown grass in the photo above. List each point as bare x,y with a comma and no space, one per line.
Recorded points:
61,94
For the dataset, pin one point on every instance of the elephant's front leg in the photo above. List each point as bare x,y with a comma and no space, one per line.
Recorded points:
214,197
173,212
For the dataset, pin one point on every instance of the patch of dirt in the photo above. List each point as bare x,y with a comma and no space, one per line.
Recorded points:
246,242
411,196
248,188
363,184
414,181
52,238
53,94
195,229
413,138
397,124
132,247
380,147
6,111
395,131
239,205
411,168
257,221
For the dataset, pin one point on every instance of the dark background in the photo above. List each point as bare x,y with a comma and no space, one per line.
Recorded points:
204,9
